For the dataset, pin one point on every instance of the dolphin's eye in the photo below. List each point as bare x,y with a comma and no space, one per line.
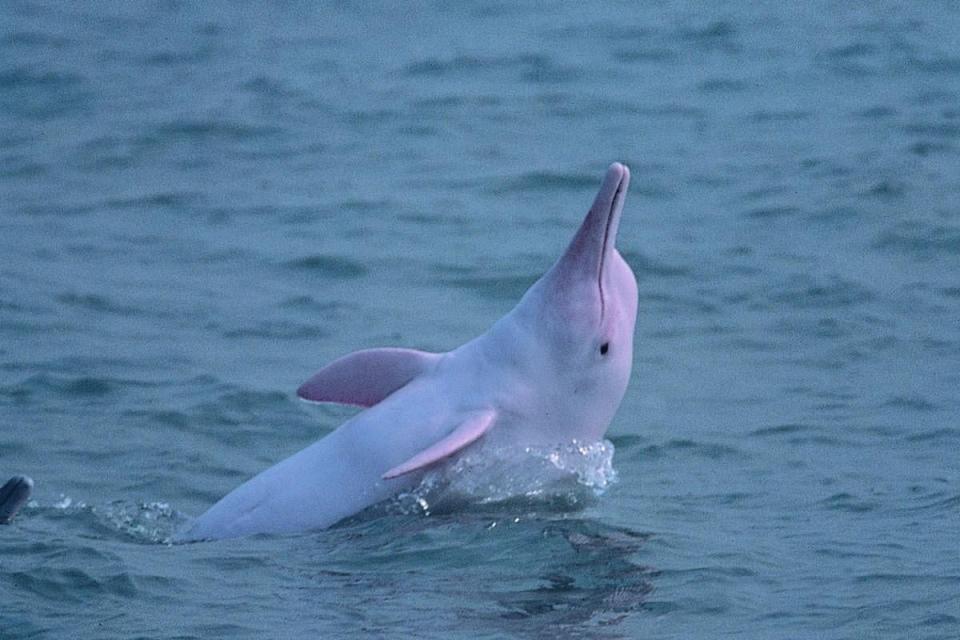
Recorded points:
604,348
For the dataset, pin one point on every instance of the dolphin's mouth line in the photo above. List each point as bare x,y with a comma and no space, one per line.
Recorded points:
614,203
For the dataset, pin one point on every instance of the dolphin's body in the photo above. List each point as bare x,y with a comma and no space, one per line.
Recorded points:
13,495
551,371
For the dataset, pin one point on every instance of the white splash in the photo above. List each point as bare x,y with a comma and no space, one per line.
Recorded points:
563,477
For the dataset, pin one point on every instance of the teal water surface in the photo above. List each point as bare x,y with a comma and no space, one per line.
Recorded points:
202,203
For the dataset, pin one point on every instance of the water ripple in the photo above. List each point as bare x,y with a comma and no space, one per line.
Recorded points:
921,240
327,265
42,95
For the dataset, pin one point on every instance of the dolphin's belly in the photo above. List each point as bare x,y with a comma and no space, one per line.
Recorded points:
331,479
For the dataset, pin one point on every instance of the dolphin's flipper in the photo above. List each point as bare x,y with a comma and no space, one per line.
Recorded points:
469,431
13,495
366,377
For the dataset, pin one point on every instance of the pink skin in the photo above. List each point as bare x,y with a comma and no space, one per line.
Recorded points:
594,242
551,371
588,299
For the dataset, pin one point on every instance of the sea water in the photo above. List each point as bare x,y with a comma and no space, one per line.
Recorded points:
203,203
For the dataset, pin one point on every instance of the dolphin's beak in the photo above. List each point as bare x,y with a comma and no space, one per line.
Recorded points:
595,241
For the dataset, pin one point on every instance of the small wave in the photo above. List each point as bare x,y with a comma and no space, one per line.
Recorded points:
765,213
212,130
88,386
925,148
765,116
781,430
853,59
933,130
921,240
66,585
807,292
532,67
719,30
242,405
946,435
36,39
23,77
548,181
161,200
42,95
644,265
327,309
723,85
878,112
140,522
277,330
21,167
936,65
847,502
268,87
504,287
172,58
170,418
98,303
685,447
913,402
888,189
81,386
651,55
332,266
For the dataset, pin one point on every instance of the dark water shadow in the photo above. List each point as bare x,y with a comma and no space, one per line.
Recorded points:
507,571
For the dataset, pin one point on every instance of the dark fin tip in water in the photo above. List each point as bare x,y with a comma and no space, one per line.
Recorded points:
13,495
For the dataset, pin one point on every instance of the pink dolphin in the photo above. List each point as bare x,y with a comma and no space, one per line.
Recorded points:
553,370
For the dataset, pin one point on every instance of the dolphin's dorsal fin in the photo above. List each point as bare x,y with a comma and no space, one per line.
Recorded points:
466,432
364,378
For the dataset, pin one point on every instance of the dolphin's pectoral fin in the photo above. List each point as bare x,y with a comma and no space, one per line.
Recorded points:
366,377
467,432
13,495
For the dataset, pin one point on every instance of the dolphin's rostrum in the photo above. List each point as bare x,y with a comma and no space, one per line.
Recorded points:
553,370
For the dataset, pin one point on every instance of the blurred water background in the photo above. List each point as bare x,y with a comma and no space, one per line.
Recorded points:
202,203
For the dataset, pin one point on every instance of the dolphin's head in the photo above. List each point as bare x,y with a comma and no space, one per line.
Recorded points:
580,316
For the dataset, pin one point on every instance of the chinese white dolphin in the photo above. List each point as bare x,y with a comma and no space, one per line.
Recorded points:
553,370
